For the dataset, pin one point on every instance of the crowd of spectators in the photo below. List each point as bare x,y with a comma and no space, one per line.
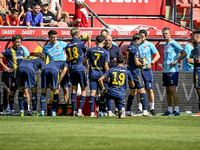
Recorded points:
41,13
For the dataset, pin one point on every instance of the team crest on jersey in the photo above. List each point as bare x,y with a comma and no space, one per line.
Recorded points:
22,52
169,46
13,84
145,46
57,47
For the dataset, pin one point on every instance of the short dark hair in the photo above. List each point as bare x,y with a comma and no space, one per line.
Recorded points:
15,37
14,11
36,4
165,29
143,32
120,59
105,30
40,55
137,36
196,32
52,32
100,38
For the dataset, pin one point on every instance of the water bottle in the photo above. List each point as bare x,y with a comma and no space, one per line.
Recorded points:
52,21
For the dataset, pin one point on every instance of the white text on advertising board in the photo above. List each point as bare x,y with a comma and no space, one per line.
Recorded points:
28,32
45,32
181,32
65,32
86,32
10,32
117,1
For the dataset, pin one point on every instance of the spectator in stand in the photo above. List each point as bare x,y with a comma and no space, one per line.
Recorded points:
12,20
34,17
49,19
17,4
3,10
55,8
104,33
80,18
29,4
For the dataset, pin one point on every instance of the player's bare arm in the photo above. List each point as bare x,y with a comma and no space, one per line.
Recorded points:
3,65
101,82
138,63
132,83
89,37
106,66
189,60
183,55
155,59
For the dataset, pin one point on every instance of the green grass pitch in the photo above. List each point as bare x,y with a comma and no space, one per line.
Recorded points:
85,133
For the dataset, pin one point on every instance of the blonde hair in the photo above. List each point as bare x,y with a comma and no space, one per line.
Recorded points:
74,31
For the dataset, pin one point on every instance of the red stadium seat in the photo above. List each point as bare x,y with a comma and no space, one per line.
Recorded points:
62,24
182,3
196,15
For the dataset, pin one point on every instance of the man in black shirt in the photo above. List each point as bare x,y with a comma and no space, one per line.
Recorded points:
29,4
49,19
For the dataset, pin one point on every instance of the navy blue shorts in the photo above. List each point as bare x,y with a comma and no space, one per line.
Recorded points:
147,76
26,76
65,81
50,76
139,82
196,79
12,83
170,79
78,77
94,84
119,101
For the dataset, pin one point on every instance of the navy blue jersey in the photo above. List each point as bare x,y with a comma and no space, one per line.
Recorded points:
58,66
76,51
194,54
118,80
32,62
97,57
14,57
133,52
114,51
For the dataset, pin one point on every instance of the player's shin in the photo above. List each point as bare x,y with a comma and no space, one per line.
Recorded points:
129,103
143,100
11,101
101,103
91,103
108,103
73,100
21,101
81,102
34,101
55,102
42,101
25,103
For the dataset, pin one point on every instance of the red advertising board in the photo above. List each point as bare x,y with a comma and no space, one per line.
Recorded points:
120,7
